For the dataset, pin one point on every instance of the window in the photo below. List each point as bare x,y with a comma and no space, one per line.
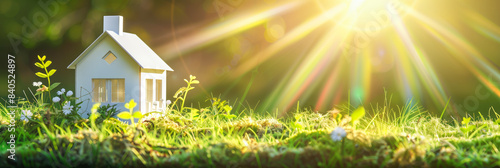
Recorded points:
104,87
149,90
158,90
99,90
117,90
109,57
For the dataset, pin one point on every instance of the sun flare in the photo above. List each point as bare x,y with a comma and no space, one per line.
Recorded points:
362,45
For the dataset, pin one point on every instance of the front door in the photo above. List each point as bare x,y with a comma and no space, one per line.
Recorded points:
154,93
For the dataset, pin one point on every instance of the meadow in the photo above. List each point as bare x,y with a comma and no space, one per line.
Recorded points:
50,133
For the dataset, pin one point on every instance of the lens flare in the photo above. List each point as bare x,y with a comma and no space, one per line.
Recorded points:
350,49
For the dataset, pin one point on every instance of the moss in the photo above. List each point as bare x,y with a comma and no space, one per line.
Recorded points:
255,128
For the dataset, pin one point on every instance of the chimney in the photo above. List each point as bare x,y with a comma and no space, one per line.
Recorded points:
113,23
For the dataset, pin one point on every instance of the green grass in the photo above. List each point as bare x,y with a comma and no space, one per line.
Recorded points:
405,136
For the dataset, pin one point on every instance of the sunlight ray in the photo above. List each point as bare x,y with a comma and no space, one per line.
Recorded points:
325,51
426,72
222,30
293,36
330,86
484,26
473,61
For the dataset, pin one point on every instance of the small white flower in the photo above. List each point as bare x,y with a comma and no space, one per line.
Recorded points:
37,84
26,114
59,93
63,90
56,99
69,93
169,102
67,108
338,134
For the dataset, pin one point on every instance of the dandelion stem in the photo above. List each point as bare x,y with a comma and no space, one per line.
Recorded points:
342,148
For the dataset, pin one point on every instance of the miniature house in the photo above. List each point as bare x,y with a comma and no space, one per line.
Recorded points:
117,67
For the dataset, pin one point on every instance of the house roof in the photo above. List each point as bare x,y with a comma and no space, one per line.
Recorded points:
134,46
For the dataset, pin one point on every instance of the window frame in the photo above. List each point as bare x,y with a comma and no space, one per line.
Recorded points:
107,54
159,89
109,93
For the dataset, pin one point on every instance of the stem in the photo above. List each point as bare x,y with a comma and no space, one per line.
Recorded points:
48,77
185,95
342,147
132,118
174,103
41,98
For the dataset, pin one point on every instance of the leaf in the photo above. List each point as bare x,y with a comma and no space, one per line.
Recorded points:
47,64
39,65
94,107
138,115
230,116
51,72
43,58
298,116
195,82
94,116
358,114
179,92
41,75
466,121
54,85
131,104
228,108
497,122
124,115
185,80
298,125
465,130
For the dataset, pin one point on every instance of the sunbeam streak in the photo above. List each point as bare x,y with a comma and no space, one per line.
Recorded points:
466,53
293,36
426,72
223,30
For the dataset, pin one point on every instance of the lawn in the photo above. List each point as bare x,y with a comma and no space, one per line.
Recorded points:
383,137
50,133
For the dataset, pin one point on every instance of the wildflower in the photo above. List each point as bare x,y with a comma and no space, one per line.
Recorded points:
67,108
169,102
61,92
26,114
37,84
69,93
338,134
43,89
56,99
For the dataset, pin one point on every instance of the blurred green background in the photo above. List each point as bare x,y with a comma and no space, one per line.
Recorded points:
71,25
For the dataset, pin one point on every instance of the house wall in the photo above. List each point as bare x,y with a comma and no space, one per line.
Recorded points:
93,66
152,74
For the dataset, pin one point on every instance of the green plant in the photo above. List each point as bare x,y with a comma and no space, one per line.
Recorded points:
106,112
222,108
129,114
467,128
297,123
181,94
356,115
48,73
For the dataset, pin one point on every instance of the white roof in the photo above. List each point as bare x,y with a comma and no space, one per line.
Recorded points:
134,46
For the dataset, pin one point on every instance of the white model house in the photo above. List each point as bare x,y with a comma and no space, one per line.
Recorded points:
117,67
